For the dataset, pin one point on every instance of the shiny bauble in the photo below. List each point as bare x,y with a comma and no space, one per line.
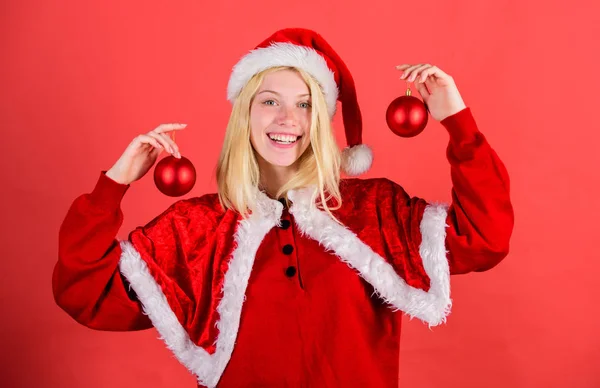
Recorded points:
174,176
407,115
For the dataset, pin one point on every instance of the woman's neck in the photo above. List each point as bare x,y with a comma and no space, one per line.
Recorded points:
272,178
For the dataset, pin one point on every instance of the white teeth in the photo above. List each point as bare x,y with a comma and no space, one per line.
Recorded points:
286,139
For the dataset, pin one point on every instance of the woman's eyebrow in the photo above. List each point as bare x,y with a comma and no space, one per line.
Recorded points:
274,92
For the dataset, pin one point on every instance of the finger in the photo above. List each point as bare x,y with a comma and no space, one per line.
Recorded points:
145,139
427,74
169,127
408,70
172,144
439,73
423,91
431,82
402,67
416,72
162,141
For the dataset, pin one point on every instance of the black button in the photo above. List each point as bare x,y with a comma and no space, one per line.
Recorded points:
290,271
288,249
285,224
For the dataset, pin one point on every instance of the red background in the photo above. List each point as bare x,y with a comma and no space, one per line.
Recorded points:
81,79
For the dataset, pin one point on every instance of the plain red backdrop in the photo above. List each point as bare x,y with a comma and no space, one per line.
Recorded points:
80,79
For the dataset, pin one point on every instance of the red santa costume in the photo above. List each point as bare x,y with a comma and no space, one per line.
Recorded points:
288,297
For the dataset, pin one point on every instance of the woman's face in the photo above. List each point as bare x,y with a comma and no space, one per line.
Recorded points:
280,116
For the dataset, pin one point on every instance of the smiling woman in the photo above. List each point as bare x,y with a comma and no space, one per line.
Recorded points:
289,276
283,112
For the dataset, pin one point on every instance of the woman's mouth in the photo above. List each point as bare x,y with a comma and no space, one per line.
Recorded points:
283,140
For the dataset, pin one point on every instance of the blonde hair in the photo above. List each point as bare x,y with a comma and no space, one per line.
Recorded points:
238,174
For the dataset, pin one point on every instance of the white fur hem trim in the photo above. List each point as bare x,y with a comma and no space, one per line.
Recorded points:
432,306
208,368
284,54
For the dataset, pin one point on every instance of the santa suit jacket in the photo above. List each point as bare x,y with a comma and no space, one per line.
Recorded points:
288,297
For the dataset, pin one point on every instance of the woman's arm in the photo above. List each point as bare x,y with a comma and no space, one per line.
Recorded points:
86,281
481,218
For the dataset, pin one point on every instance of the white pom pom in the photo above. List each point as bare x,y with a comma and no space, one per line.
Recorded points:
357,160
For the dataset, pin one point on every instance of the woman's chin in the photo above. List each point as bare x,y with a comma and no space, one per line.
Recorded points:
282,163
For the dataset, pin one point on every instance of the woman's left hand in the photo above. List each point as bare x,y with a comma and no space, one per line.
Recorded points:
438,90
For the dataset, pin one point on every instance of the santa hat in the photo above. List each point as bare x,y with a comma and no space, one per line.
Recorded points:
307,50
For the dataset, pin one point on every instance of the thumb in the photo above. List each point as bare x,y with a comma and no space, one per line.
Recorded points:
422,91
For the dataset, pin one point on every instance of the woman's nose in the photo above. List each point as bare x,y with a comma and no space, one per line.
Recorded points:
287,114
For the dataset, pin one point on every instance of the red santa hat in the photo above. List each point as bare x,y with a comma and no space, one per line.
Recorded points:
307,50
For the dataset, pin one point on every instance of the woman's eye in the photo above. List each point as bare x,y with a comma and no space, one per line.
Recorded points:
302,104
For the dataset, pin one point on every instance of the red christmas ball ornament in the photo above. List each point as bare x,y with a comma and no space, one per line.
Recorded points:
407,115
174,176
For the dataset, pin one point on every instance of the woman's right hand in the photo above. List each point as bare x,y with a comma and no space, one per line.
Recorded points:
141,154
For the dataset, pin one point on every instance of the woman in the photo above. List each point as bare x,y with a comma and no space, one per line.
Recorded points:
289,275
